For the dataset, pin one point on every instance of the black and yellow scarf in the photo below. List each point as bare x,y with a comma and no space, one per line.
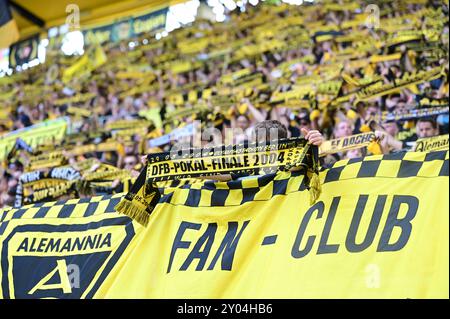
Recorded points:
248,158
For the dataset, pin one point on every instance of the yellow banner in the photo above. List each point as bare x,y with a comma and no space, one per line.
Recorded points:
42,133
379,230
379,89
435,143
346,143
91,60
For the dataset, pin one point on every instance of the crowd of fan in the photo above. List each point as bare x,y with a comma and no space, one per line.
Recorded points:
109,104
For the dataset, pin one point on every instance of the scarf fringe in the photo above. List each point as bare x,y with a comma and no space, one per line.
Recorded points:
83,188
315,188
133,211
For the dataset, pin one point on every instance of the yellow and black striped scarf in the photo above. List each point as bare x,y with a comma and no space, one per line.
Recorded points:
248,158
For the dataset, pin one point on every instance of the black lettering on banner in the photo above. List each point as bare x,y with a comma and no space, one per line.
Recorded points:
420,146
350,242
177,243
246,163
404,223
207,239
364,138
345,142
325,248
41,245
188,167
368,137
256,158
296,252
272,158
239,160
263,159
53,245
228,246
23,245
226,249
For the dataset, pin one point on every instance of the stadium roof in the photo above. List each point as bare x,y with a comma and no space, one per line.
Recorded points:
36,15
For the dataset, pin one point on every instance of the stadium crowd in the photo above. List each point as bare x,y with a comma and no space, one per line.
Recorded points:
299,65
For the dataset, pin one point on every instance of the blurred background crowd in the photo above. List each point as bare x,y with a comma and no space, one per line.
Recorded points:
306,66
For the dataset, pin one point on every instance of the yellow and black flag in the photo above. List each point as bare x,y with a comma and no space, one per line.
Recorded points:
253,237
8,28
